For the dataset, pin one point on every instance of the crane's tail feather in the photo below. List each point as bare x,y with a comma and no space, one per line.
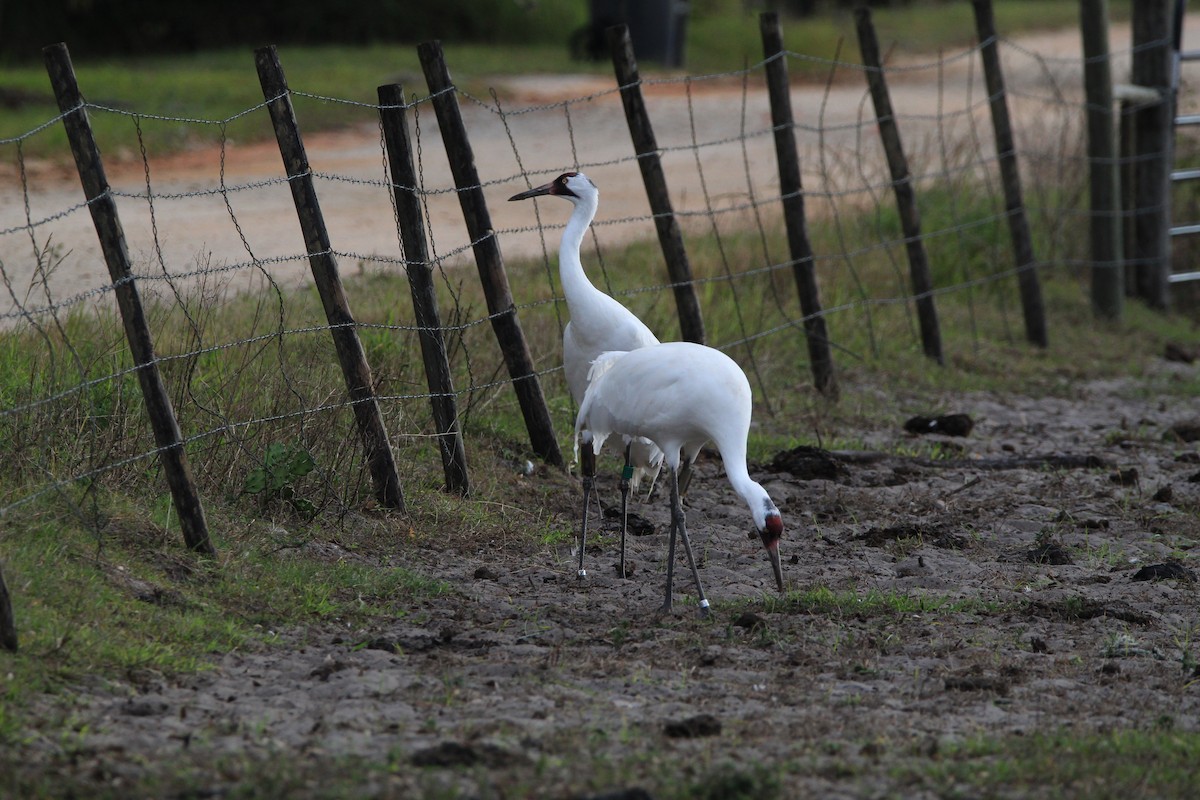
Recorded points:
647,459
603,363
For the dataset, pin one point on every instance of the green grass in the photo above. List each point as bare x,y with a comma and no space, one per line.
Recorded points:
1126,763
120,597
826,602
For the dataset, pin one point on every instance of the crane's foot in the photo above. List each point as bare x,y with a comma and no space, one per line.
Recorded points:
705,611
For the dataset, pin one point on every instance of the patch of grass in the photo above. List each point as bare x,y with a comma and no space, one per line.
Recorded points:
735,782
118,598
1124,763
281,589
823,601
85,608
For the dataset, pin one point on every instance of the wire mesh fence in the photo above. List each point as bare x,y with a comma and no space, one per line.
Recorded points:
249,356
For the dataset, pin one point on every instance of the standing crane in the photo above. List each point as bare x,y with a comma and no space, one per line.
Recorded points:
598,324
681,395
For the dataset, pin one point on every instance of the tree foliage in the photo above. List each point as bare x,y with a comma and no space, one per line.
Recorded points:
142,27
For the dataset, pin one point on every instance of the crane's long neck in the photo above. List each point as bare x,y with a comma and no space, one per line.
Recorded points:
576,285
752,492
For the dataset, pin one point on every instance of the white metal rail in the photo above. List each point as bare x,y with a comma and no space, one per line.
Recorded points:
1183,120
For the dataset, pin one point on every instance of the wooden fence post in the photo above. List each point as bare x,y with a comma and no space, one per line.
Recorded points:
8,624
1006,153
1153,132
488,260
1108,281
906,200
420,282
820,355
691,323
355,370
103,209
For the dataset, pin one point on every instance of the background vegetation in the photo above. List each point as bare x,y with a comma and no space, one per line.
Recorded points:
217,82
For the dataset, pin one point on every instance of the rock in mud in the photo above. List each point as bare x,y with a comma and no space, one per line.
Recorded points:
808,463
693,727
946,424
1163,572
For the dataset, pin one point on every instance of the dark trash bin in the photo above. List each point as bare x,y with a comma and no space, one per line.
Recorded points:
657,27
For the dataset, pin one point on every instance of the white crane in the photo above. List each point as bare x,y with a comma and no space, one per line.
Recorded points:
680,395
598,324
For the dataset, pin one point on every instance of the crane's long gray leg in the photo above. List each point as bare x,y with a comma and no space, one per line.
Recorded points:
677,508
666,606
587,459
626,476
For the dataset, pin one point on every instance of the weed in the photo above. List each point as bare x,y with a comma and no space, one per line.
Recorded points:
735,782
282,467
619,635
1184,638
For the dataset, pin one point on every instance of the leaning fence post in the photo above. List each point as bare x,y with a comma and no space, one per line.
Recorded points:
1108,282
488,260
8,625
355,370
420,283
691,323
902,185
116,255
792,193
1153,132
1006,152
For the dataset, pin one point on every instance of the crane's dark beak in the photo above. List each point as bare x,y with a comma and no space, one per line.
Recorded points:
548,188
773,553
771,533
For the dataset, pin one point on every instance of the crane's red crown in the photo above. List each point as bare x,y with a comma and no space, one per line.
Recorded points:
772,531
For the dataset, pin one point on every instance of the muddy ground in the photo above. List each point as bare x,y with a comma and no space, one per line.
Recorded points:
1033,543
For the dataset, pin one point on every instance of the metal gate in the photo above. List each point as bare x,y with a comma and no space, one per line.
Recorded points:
1182,120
